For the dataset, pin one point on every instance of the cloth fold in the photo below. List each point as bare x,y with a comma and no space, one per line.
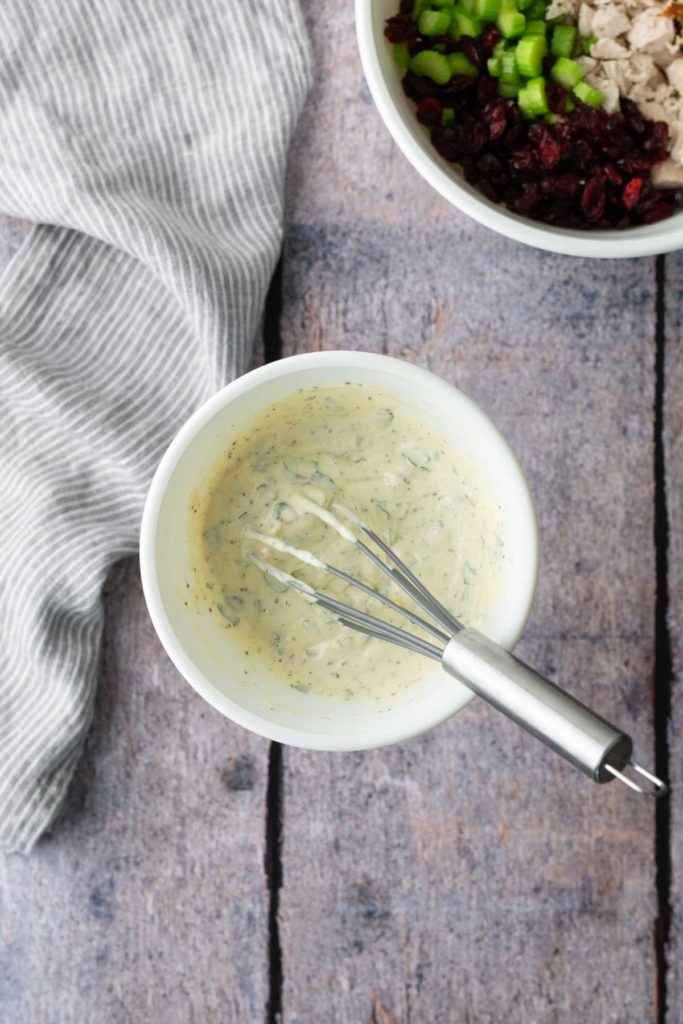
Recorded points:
147,142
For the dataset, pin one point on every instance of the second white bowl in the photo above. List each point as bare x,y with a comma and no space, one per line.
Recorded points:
398,114
204,652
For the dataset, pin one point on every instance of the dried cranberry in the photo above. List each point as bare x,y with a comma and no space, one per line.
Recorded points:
556,97
549,154
529,199
399,28
678,197
593,199
425,86
494,115
489,38
406,7
486,89
516,137
470,170
409,87
635,120
459,83
475,138
631,193
447,143
429,111
524,161
489,191
489,165
581,156
590,119
470,47
562,186
657,136
613,175
660,211
564,130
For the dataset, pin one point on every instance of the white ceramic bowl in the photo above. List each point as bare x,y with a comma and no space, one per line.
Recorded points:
203,651
398,114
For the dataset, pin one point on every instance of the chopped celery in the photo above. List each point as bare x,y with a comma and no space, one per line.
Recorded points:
434,23
487,10
461,65
509,71
493,66
418,7
535,28
499,48
463,23
587,94
537,10
524,5
442,3
511,23
529,55
566,72
508,90
431,64
587,43
401,55
532,98
448,117
564,37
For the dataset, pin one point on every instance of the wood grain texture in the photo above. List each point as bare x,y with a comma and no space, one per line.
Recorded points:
673,452
149,900
468,875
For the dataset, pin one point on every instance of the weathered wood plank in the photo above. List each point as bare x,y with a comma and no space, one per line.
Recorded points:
673,453
468,875
149,901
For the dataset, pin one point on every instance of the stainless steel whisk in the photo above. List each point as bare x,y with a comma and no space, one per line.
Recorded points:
562,722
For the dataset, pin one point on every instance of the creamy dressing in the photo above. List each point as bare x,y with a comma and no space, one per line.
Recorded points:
343,447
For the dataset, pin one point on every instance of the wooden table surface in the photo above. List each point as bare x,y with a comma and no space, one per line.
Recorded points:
200,874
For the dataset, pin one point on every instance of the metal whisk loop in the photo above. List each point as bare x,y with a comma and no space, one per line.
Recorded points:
558,719
353,617
308,559
657,789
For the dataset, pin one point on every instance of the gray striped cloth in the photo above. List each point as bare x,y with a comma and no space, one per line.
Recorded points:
146,139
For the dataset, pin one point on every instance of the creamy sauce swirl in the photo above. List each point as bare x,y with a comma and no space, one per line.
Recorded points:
365,448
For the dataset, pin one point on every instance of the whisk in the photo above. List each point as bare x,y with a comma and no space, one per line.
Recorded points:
563,723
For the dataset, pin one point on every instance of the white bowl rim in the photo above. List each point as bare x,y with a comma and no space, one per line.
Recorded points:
153,505
638,241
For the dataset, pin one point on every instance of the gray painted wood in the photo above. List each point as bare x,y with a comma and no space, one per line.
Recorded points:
673,437
467,875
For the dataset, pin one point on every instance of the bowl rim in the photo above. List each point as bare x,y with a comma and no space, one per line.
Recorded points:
632,242
154,600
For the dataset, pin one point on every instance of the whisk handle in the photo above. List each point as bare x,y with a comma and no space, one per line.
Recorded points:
557,719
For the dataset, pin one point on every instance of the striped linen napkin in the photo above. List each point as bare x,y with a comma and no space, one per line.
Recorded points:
147,142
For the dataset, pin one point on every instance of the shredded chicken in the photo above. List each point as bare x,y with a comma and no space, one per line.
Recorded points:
638,53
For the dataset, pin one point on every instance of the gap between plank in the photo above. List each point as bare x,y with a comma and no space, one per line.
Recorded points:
663,662
272,350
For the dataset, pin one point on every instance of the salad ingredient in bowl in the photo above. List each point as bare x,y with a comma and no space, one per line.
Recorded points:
364,447
507,94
